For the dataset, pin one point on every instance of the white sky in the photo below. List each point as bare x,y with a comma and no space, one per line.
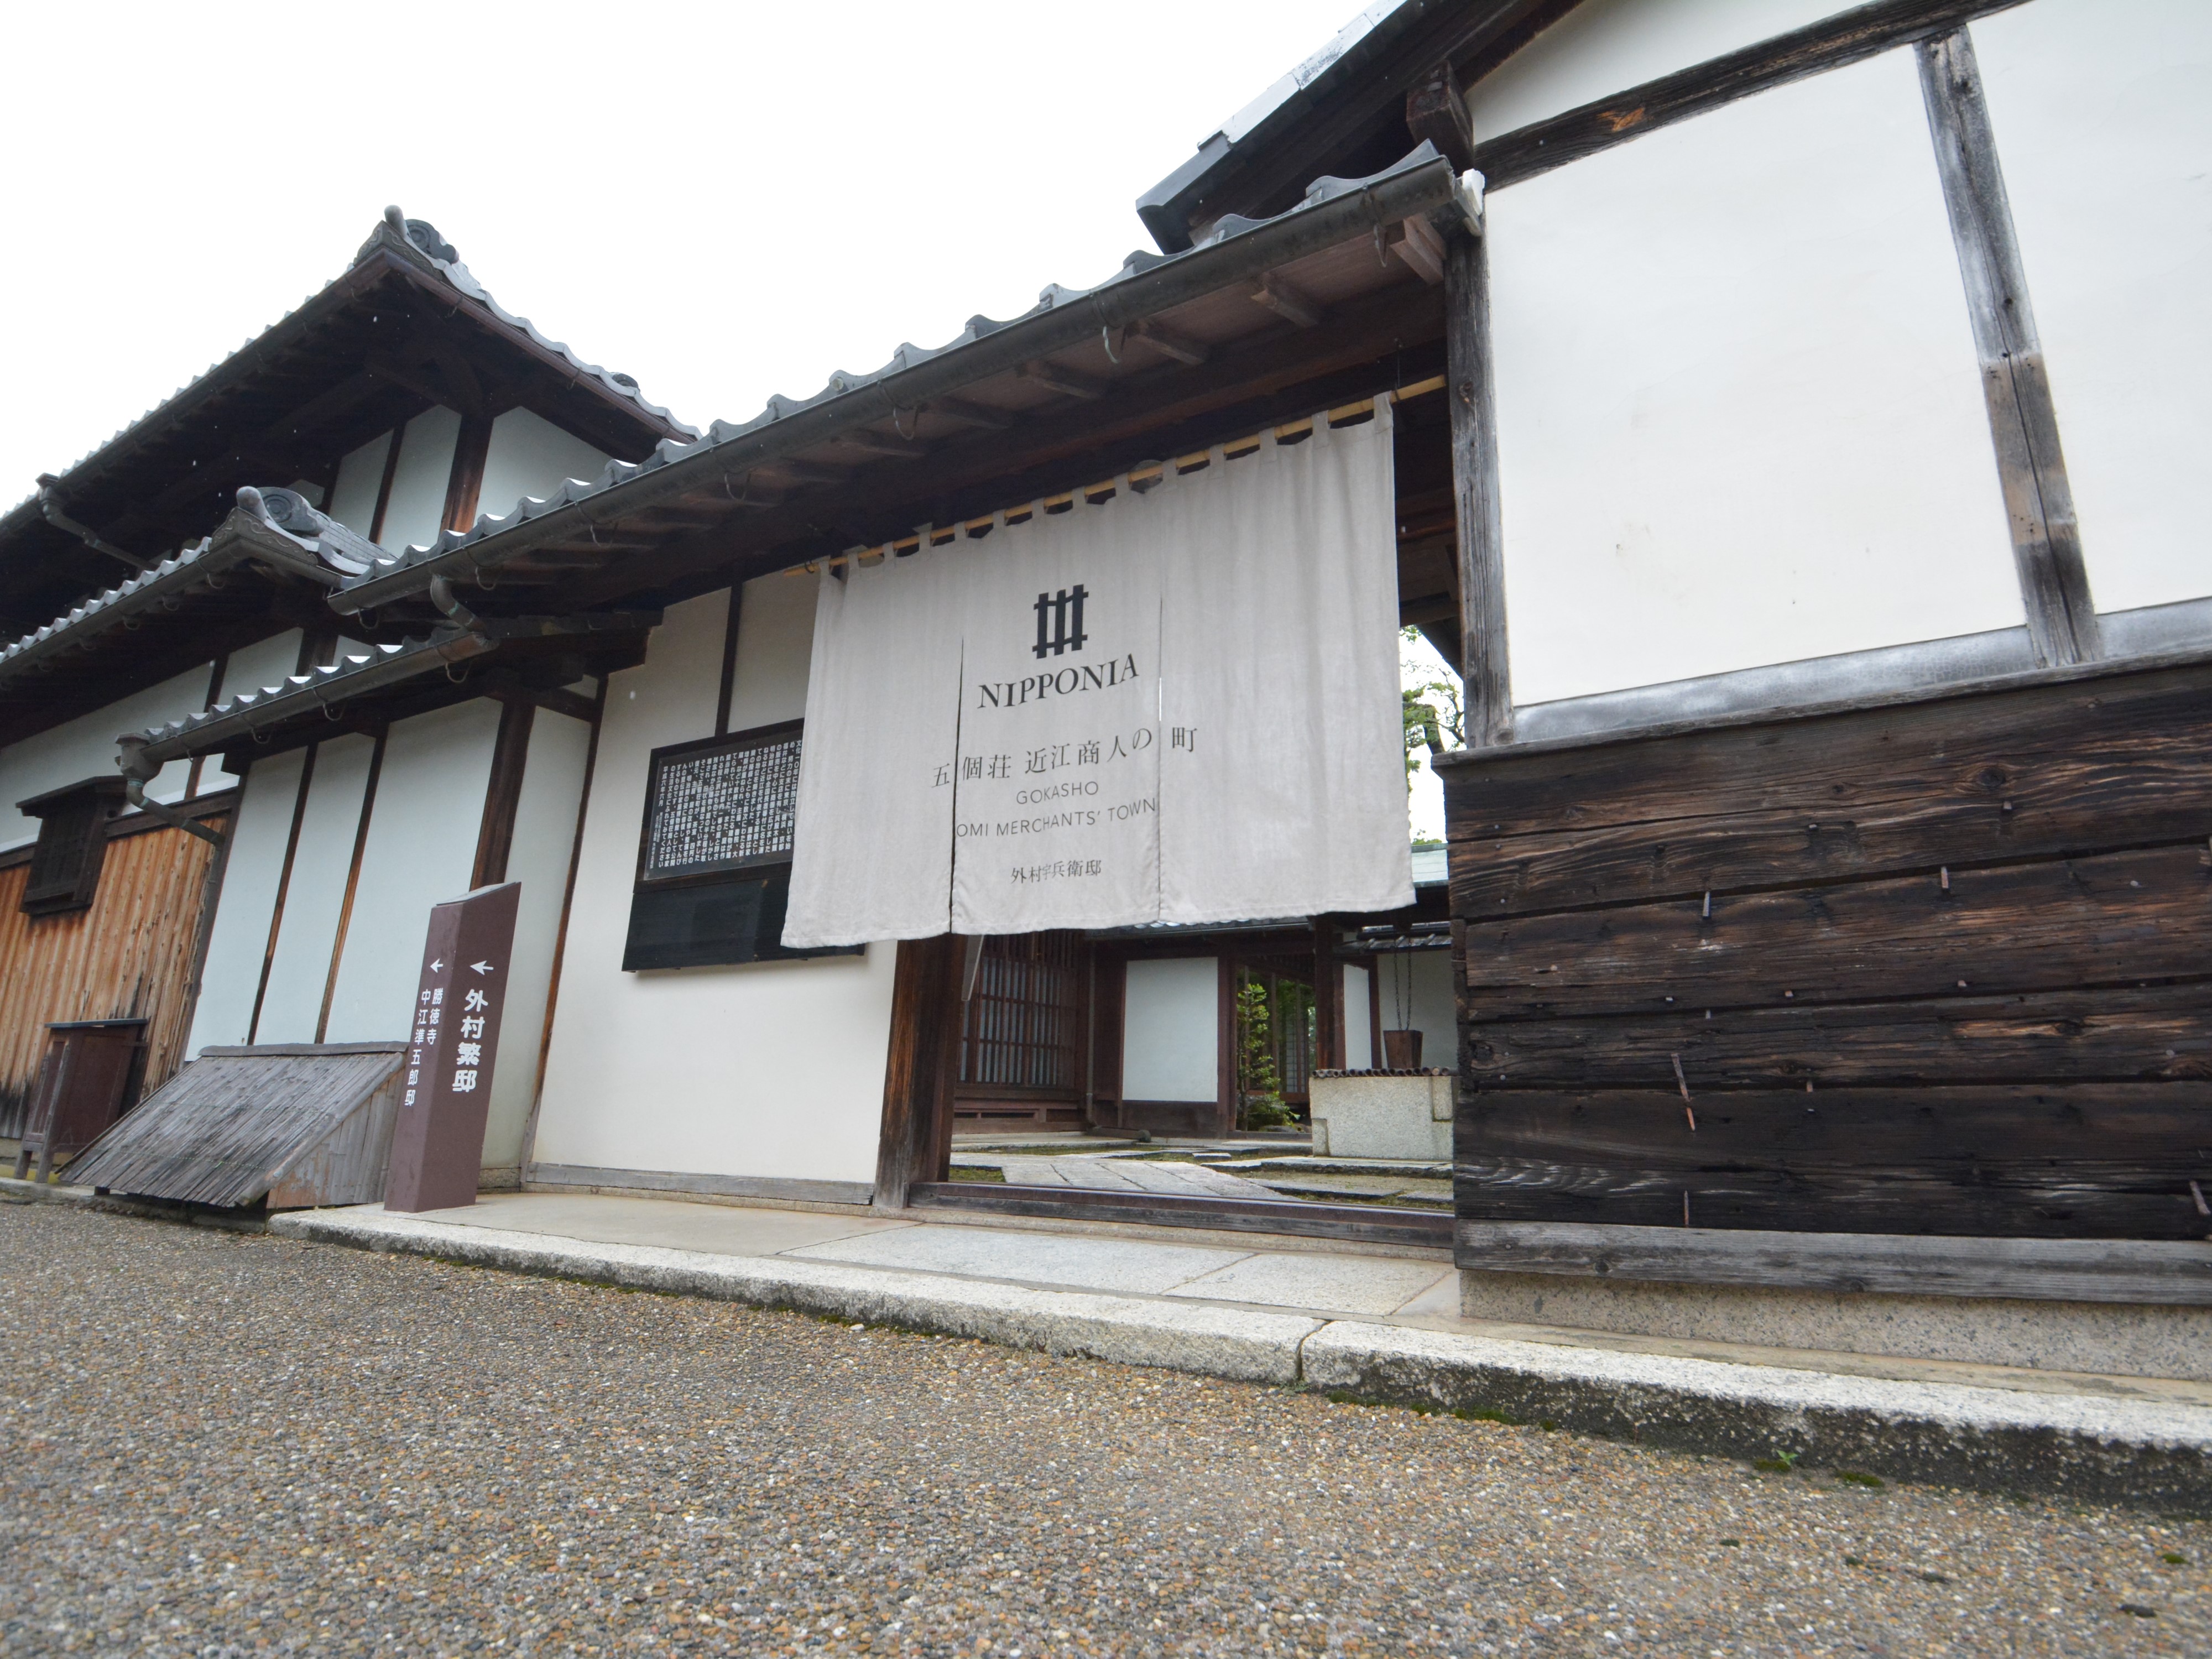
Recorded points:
723,201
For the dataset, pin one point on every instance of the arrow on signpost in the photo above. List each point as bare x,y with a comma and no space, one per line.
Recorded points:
436,966
480,967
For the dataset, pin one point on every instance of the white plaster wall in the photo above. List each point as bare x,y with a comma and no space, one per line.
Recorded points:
85,748
265,662
353,498
2103,115
775,638
300,968
1417,991
422,846
1171,1030
771,1070
530,456
1605,46
545,837
412,516
1740,413
1359,1053
240,933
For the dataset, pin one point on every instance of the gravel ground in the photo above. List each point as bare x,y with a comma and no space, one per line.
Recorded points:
221,1444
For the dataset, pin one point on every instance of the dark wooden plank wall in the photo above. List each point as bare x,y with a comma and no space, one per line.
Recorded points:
129,955
1943,968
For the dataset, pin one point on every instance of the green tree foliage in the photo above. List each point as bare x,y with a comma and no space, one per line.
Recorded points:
1259,1083
1434,710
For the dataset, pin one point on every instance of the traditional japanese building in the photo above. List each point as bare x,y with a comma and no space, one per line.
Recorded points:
187,563
1779,415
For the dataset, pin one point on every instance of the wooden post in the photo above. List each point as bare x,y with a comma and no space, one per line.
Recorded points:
384,482
925,1036
1480,537
729,656
1109,982
1226,1054
510,753
1374,1056
353,881
283,888
1436,110
2046,542
466,482
1328,998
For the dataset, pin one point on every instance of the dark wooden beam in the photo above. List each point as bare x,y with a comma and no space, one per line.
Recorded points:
385,366
1372,1225
283,887
1420,248
464,482
2046,541
323,408
352,880
1286,301
1329,997
1469,385
917,1073
875,443
397,436
1846,38
1436,110
510,755
729,680
1068,382
1169,344
1855,1263
969,414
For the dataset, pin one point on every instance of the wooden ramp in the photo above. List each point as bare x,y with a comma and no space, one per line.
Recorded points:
297,1123
1126,1175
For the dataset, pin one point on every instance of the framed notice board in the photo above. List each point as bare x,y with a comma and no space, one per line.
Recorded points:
713,855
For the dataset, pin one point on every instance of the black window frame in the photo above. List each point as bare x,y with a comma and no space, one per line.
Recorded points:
72,845
754,888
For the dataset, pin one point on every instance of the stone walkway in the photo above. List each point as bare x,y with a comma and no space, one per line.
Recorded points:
1130,1175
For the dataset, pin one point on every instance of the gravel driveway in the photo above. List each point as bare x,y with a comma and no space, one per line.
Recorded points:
221,1444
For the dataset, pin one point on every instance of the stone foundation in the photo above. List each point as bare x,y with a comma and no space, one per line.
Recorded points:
2109,1339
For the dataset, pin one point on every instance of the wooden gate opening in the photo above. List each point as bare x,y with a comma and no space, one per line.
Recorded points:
1022,1047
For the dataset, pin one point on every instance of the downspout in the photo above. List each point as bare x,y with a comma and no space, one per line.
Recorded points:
441,595
138,772
61,521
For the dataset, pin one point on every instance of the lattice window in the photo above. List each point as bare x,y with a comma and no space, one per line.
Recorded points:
726,804
713,856
72,846
1025,1021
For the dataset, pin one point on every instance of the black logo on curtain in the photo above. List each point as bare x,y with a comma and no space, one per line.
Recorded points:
1060,621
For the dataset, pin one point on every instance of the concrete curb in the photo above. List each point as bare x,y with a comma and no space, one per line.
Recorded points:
2149,1453
84,1198
1205,1338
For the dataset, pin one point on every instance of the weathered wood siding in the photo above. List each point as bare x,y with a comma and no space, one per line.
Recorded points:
1943,968
127,957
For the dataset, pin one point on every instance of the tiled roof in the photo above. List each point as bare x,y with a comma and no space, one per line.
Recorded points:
417,241
871,390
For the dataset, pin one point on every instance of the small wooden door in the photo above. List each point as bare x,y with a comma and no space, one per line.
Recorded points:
88,1078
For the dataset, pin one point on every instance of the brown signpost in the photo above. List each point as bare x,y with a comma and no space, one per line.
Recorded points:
437,1144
